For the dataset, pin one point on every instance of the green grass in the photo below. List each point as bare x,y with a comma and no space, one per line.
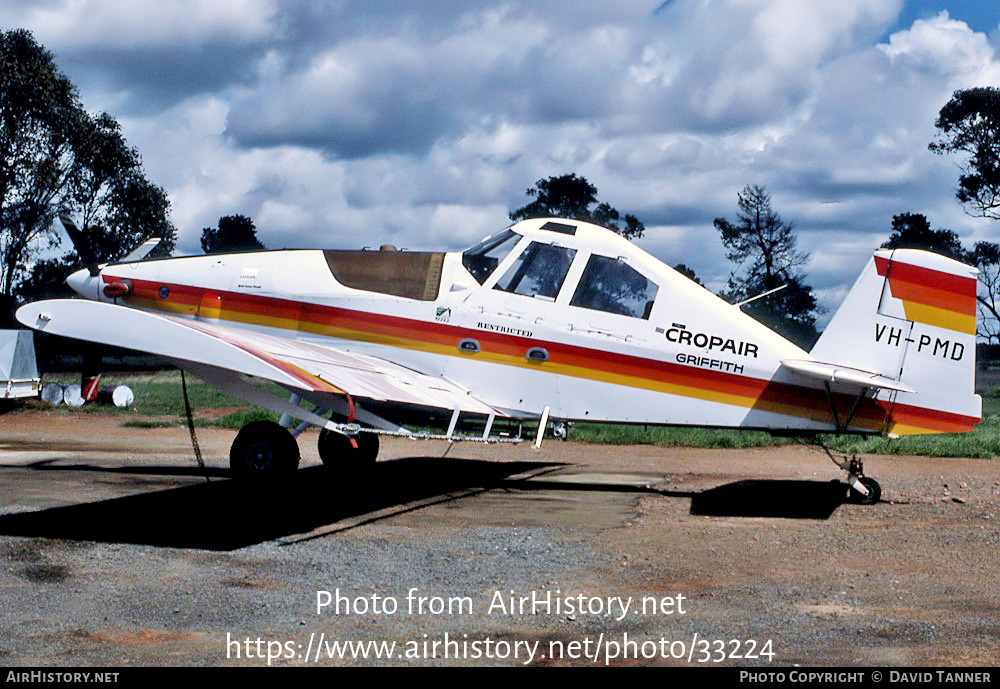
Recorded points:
240,418
137,423
983,441
159,401
156,394
671,436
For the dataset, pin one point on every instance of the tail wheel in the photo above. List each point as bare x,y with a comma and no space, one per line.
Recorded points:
263,449
337,451
874,492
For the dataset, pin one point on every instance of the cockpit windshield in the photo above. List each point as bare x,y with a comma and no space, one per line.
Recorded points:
482,259
538,272
611,285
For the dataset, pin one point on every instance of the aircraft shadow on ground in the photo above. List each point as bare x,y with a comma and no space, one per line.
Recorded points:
770,498
138,470
224,514
228,514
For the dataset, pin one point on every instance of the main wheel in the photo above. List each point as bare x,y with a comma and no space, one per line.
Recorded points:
874,492
263,449
337,452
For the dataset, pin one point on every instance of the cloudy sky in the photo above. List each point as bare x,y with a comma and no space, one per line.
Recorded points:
343,124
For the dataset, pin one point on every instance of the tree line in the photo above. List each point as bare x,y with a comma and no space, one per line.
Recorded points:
57,158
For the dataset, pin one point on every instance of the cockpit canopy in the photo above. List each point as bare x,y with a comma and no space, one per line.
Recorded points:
529,263
540,268
409,274
482,259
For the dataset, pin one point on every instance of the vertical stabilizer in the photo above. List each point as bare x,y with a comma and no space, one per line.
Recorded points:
911,316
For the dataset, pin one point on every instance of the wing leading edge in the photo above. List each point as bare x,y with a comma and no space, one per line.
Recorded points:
298,365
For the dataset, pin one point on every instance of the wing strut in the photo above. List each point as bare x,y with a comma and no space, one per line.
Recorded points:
286,419
454,422
231,382
489,425
841,427
541,427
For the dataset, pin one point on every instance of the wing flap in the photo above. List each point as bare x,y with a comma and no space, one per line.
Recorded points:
305,366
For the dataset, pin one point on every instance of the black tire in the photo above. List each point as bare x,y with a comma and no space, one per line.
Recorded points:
337,452
263,449
874,492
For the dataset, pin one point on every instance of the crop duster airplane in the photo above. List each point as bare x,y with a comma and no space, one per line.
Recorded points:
548,320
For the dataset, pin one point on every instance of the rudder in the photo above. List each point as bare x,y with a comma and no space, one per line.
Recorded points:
911,316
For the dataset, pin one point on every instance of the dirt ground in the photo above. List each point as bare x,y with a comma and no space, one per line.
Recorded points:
118,550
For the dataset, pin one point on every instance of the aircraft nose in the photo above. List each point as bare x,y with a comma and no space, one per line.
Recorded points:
85,284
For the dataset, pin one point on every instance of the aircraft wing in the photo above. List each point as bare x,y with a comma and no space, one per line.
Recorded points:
833,373
291,363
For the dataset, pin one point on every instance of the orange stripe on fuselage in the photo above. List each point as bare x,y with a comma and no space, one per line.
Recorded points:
572,360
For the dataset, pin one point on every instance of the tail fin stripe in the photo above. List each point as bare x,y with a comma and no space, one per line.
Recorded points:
926,277
932,297
941,318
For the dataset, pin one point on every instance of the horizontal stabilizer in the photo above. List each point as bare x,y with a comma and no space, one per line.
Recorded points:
833,373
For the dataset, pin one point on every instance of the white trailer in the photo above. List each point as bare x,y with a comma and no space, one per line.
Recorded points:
18,369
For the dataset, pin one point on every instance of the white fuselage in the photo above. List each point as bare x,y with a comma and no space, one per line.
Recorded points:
691,358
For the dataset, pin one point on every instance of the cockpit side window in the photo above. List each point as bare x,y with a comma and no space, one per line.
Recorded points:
482,259
538,272
611,285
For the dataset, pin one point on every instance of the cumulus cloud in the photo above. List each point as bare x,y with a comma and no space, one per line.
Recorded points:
942,45
421,124
142,56
689,66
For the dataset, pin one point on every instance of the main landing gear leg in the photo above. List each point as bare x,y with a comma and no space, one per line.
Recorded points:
863,489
